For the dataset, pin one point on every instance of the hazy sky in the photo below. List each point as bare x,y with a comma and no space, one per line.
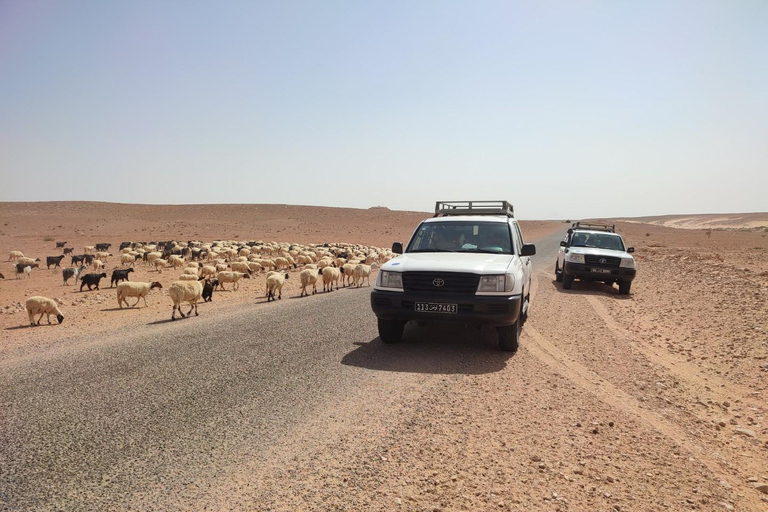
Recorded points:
567,109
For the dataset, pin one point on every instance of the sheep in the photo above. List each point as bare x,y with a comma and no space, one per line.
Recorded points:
15,255
91,280
176,261
88,249
254,266
135,289
27,261
103,255
185,291
207,271
188,277
192,271
53,260
360,273
119,274
231,277
239,266
221,267
282,263
69,272
127,259
150,257
267,263
275,282
308,277
347,271
42,306
330,275
159,263
97,264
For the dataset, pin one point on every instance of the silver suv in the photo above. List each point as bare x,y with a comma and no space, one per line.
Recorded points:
595,252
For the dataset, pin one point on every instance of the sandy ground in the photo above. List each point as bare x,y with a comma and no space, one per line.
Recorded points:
33,228
652,401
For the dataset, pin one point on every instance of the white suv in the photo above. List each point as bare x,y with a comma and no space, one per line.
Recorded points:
468,264
595,252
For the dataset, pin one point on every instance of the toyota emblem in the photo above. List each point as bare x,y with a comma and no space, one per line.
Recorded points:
603,261
438,282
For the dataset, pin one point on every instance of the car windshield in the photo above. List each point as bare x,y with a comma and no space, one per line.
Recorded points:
462,236
608,241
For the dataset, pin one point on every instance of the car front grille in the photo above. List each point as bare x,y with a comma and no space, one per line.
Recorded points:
451,282
611,261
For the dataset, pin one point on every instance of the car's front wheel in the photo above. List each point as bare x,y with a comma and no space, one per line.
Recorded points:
391,331
624,287
558,273
567,281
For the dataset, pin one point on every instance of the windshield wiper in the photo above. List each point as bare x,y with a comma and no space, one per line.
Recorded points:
432,250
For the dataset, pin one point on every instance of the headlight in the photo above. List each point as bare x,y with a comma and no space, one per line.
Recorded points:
575,257
504,283
388,279
627,263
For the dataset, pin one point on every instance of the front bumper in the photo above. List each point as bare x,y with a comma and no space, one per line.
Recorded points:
471,309
585,272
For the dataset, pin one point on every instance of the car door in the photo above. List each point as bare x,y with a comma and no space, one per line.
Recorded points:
524,260
561,252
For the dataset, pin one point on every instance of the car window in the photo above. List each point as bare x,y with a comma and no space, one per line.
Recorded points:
608,241
459,236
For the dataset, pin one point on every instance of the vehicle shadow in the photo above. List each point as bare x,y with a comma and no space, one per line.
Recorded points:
591,288
433,350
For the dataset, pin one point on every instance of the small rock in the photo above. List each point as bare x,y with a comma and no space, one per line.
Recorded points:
746,432
725,484
398,501
610,423
763,488
753,479
726,404
617,508
721,423
595,431
609,478
578,471
535,458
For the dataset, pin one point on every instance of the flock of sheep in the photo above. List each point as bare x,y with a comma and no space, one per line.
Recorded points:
204,268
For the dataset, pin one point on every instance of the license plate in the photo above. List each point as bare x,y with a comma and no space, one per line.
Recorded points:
601,270
434,307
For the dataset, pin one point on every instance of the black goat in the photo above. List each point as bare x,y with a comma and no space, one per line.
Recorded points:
60,244
208,287
69,250
54,260
91,280
77,259
103,247
120,274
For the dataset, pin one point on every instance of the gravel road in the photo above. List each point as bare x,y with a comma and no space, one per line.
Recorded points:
298,405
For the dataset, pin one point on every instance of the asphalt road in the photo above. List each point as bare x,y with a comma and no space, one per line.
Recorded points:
125,421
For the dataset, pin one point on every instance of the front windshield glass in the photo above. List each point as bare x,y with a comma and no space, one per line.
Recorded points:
461,236
607,241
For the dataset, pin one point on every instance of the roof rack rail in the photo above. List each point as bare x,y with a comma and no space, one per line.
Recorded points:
611,228
445,208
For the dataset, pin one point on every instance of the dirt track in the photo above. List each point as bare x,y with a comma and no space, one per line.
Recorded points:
654,401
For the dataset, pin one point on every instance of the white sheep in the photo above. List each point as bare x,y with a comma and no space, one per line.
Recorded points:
97,264
254,266
101,255
330,275
231,277
239,266
15,255
208,271
176,261
42,306
188,277
192,271
347,271
27,261
127,259
134,289
360,273
221,267
275,282
88,249
190,292
308,277
159,263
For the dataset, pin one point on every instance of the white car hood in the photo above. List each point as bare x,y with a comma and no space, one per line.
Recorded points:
595,251
451,262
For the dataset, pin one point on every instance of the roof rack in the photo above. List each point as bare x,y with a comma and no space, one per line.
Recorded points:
595,227
445,208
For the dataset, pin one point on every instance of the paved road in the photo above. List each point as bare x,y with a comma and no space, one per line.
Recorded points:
126,421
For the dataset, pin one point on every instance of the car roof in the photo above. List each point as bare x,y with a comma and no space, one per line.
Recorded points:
592,231
471,218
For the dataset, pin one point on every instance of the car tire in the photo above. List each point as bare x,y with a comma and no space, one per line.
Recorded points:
558,273
391,331
567,281
624,287
509,336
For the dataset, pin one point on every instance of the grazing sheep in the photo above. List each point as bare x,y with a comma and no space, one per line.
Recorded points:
207,271
119,274
192,271
239,266
54,260
60,244
185,291
88,249
231,277
127,259
103,255
97,264
90,280
188,277
176,261
275,282
27,261
15,255
159,263
362,272
42,306
221,267
69,272
150,257
308,277
254,266
135,289
330,275
282,263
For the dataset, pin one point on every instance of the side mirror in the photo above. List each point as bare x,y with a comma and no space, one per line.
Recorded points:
397,247
631,249
563,244
528,250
